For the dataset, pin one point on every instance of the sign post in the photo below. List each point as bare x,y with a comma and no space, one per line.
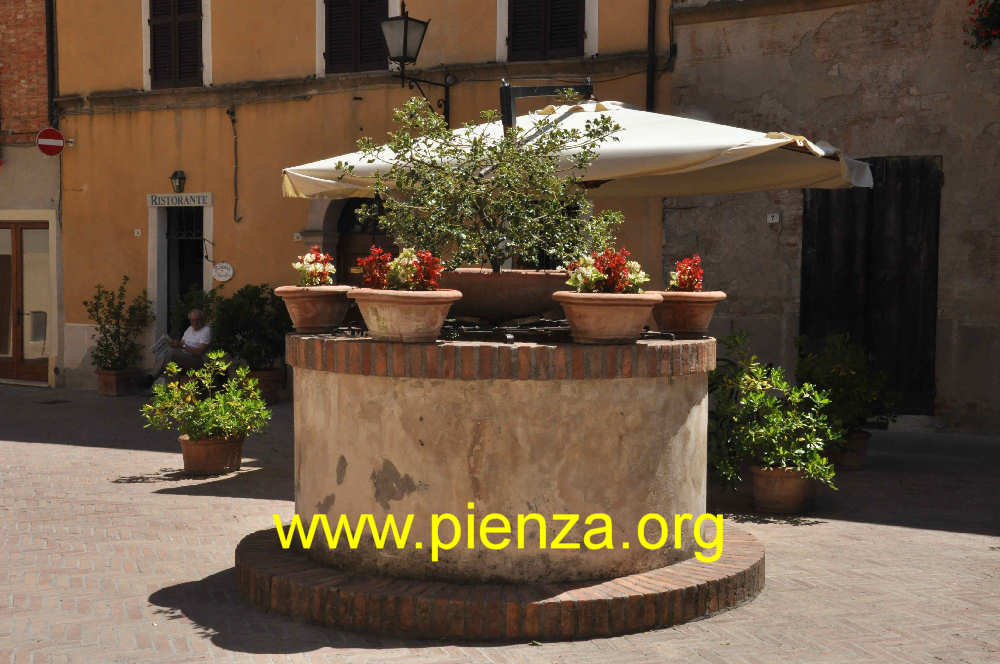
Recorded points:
50,141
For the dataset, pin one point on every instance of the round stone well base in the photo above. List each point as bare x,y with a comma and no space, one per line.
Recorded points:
288,582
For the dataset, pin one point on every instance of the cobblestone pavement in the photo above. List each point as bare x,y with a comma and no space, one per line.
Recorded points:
106,555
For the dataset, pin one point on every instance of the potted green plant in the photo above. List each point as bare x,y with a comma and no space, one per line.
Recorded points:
251,326
686,308
485,196
316,304
758,418
401,300
213,420
119,323
858,392
608,305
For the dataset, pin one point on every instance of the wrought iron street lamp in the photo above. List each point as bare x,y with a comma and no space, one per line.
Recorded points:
403,37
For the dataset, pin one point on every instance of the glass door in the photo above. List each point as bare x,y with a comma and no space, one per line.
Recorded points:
25,301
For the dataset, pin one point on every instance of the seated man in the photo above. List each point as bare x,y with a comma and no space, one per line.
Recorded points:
189,352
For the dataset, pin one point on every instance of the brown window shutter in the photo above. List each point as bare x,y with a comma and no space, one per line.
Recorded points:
544,29
340,22
372,52
175,43
565,28
526,30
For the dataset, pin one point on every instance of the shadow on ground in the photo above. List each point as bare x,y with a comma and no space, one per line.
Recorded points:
936,481
220,614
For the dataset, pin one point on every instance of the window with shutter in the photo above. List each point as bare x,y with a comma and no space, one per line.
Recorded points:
354,35
545,29
175,43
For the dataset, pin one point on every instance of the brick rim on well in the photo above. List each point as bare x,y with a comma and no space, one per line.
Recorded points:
480,360
287,582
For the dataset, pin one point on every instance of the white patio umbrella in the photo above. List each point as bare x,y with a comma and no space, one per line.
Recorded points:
656,155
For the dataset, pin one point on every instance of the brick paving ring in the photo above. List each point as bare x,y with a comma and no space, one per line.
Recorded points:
288,582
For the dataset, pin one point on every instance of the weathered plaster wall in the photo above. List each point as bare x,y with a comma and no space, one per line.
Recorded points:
382,445
29,180
881,78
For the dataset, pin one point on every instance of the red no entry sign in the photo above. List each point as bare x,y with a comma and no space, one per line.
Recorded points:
50,141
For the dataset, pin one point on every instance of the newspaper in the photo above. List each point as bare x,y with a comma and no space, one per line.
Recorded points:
161,345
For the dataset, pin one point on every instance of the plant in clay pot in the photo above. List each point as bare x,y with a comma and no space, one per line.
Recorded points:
608,305
119,323
251,326
858,391
400,300
486,196
780,430
315,304
213,416
686,308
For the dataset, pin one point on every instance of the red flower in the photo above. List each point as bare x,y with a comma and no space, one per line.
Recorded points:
428,270
689,273
375,267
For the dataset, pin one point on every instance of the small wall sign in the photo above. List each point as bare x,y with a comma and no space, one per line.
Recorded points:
202,199
222,271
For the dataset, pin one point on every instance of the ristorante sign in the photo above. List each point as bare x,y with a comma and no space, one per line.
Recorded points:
179,200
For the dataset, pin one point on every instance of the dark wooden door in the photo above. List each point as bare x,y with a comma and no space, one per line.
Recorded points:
25,302
869,268
355,239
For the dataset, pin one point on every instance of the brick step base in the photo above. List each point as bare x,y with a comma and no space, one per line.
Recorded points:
287,582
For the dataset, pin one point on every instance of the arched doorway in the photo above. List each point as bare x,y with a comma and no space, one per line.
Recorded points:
348,238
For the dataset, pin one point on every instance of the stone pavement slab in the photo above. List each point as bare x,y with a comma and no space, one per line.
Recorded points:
107,554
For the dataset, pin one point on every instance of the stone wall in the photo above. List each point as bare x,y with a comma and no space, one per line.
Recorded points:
875,78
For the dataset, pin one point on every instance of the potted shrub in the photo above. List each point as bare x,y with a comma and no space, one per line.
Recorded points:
486,196
608,305
213,417
251,326
780,430
858,393
686,308
400,300
119,323
315,304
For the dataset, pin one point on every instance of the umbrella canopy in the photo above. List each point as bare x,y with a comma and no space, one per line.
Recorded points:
656,155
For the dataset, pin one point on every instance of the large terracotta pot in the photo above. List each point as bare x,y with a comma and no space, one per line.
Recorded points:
409,316
506,295
851,454
315,309
782,491
116,382
606,318
211,456
271,382
686,312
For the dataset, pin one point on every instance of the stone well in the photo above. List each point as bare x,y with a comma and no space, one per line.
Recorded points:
513,428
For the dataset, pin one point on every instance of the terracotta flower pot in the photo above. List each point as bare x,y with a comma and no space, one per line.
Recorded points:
116,382
686,312
270,382
315,309
782,491
506,295
211,456
852,453
606,318
398,315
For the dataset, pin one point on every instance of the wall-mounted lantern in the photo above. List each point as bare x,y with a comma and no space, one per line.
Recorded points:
403,37
177,180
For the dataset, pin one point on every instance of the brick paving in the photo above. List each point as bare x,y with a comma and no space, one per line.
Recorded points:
106,555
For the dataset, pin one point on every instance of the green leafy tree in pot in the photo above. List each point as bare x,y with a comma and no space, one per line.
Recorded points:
251,325
858,391
201,409
482,195
119,323
757,416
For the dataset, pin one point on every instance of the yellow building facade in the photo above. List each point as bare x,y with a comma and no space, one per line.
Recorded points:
263,100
